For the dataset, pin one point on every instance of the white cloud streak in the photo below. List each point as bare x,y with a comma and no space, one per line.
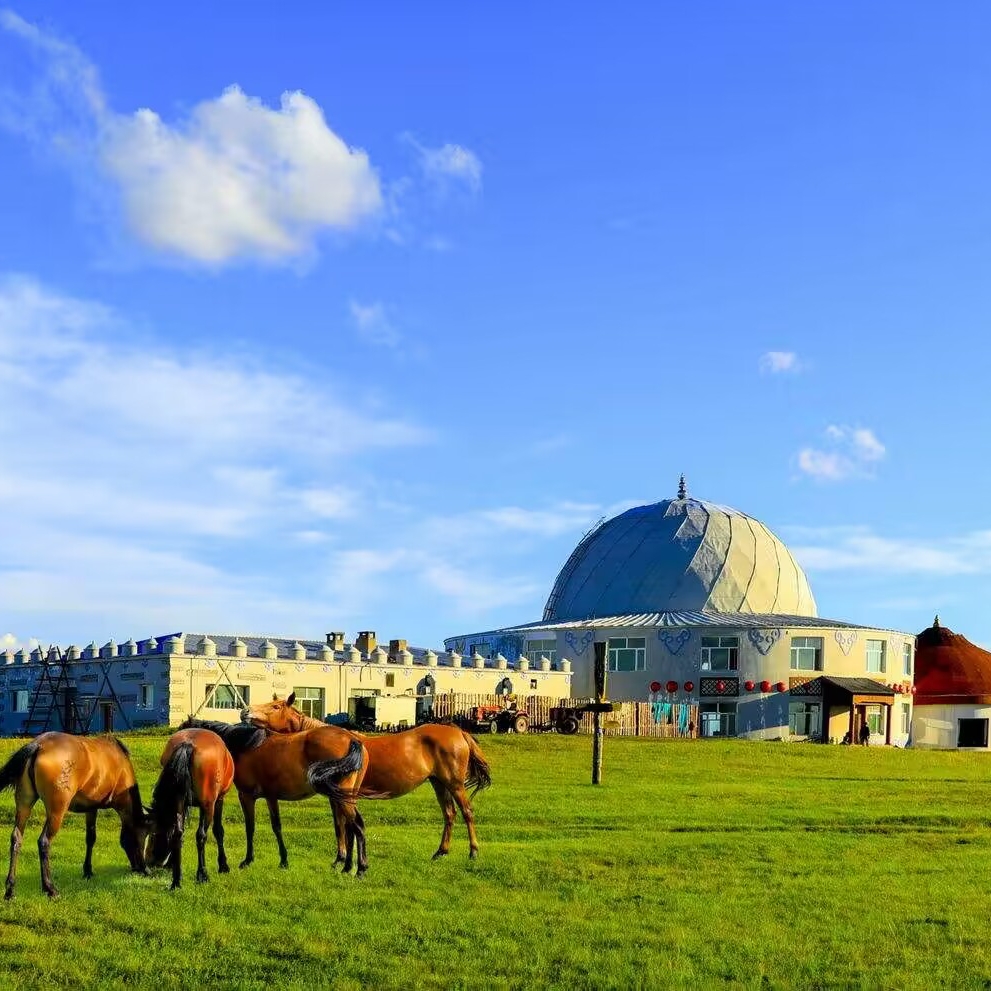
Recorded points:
449,163
850,452
374,324
780,363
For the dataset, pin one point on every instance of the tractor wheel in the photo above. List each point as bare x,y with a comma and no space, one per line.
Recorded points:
568,725
521,724
492,727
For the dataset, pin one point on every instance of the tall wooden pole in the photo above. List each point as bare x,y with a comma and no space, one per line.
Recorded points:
600,695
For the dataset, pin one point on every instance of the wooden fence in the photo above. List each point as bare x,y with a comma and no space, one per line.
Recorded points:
657,719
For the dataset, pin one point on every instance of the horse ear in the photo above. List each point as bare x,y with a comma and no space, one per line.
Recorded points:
291,699
275,698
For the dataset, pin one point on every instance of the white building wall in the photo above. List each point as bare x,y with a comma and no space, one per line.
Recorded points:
938,726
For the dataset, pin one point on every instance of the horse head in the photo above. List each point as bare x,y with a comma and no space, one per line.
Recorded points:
277,716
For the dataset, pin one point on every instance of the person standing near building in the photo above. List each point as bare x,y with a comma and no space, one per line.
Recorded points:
865,733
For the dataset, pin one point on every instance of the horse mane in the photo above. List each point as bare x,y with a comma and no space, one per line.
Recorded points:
120,743
238,737
173,789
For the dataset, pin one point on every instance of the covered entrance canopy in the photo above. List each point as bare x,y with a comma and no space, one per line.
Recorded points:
853,695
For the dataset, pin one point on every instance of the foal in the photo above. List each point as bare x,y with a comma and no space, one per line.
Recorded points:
73,774
197,770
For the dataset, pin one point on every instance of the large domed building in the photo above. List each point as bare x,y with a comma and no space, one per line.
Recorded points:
701,603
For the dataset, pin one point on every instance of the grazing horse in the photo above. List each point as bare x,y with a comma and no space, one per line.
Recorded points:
398,763
325,761
197,770
73,774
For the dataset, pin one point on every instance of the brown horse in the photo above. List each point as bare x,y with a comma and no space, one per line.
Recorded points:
398,763
73,774
197,770
325,761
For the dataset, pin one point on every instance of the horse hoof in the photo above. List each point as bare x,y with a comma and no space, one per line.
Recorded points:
87,875
244,863
223,869
439,854
473,855
175,886
9,894
202,878
53,894
284,865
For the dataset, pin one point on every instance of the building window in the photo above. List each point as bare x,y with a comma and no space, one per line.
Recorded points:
907,659
535,649
806,653
875,719
390,680
876,661
720,653
146,697
533,683
973,733
20,700
906,718
627,653
224,697
309,701
717,719
804,718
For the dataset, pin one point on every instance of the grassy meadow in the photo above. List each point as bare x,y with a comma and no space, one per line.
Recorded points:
696,864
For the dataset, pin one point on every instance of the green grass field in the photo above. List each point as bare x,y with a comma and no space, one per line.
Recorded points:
696,864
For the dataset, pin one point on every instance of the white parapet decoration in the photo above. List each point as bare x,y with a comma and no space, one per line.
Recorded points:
239,648
454,658
129,649
477,660
545,664
268,650
353,655
326,652
405,658
175,645
206,647
523,664
379,655
501,663
8,656
72,653
37,655
91,652
298,652
430,658
22,656
564,665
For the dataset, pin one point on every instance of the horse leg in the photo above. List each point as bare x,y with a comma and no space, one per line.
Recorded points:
206,814
460,796
21,816
340,832
53,823
447,808
218,835
248,808
358,832
276,820
90,842
175,857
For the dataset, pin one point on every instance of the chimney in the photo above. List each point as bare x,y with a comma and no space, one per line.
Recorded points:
395,647
366,641
335,641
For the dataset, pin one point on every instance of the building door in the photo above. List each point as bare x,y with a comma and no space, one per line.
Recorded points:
107,715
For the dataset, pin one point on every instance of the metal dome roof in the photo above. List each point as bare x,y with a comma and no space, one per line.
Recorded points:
679,554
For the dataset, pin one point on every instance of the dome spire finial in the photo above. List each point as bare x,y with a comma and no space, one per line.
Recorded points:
682,491
936,622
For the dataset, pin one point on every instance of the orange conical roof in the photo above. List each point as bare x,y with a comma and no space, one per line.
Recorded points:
949,669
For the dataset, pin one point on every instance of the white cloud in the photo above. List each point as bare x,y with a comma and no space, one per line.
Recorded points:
232,180
851,452
449,163
374,324
780,362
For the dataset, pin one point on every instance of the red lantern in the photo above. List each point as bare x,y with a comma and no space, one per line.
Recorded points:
749,686
720,686
672,686
913,689
765,686
655,686
781,686
689,686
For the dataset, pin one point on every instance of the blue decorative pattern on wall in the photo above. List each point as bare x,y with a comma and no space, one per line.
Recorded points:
579,644
675,642
763,640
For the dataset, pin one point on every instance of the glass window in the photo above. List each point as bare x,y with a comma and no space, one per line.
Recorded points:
804,718
720,653
309,701
20,700
390,680
806,653
973,733
875,656
907,659
224,697
717,719
906,718
627,653
875,719
146,697
535,649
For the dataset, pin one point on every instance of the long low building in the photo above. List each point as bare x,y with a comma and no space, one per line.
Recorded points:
703,604
162,680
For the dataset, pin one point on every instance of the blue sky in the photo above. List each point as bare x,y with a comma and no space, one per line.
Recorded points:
354,319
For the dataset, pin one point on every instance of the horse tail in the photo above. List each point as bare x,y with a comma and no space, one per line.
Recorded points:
479,774
174,787
325,775
11,772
